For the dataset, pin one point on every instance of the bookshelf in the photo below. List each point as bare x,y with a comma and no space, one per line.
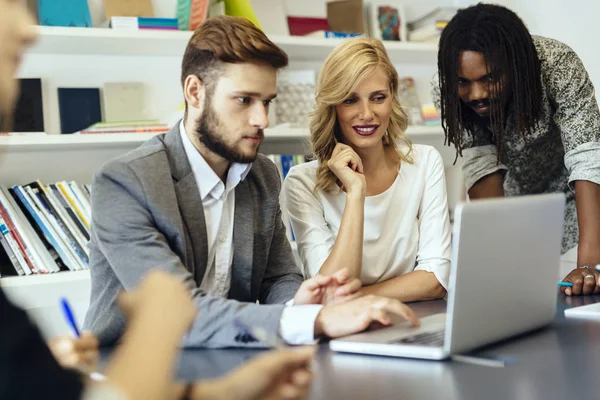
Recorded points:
99,41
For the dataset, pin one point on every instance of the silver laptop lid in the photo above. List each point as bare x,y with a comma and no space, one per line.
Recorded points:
505,262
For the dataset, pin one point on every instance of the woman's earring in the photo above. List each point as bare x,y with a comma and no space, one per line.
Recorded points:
386,138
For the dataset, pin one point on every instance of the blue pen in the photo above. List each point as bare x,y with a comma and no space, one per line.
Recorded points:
565,284
69,316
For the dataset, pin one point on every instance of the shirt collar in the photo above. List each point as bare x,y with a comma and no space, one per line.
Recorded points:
207,180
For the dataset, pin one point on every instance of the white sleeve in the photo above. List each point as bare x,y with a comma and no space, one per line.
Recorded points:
305,211
102,391
297,324
433,254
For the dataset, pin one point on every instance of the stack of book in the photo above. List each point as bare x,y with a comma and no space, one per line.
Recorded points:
44,228
284,162
149,126
430,115
169,24
428,28
407,94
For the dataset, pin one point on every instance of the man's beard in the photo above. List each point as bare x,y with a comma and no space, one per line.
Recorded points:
207,127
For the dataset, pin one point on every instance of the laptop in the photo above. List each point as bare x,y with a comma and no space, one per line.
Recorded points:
505,262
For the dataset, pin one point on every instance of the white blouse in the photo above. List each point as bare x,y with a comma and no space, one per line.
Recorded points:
406,228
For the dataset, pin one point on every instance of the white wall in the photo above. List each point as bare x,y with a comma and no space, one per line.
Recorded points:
574,22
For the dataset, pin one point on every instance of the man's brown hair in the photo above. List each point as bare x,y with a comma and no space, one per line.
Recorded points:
226,39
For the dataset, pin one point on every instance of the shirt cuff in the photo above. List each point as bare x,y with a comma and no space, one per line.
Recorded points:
103,391
441,271
297,324
479,162
583,163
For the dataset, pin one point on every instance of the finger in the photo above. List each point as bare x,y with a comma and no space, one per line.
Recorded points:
589,283
349,288
287,391
360,165
577,281
398,308
565,289
356,162
301,377
87,341
343,158
379,315
91,357
353,296
342,276
316,282
338,149
64,345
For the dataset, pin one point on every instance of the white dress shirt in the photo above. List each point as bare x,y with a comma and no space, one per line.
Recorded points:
218,200
406,227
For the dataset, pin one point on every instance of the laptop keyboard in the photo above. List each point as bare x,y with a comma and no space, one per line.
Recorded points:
434,339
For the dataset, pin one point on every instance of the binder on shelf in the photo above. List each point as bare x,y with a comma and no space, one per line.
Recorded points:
29,111
64,13
79,108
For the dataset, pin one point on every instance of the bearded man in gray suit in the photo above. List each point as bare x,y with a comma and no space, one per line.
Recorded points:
202,204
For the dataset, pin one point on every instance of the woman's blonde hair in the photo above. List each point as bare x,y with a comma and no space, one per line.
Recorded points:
346,66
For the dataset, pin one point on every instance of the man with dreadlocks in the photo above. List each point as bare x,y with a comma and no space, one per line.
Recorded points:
522,113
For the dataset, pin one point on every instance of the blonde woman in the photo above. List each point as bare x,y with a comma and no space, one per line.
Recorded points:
372,202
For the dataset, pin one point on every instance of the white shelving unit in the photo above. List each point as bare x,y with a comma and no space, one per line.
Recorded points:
80,57
77,157
99,41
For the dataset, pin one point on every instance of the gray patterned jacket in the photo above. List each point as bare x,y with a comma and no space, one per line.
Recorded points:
147,213
565,146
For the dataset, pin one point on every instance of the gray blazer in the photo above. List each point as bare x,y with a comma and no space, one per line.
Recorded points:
147,213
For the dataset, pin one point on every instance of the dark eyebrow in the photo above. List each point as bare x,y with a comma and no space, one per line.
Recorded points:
486,76
254,94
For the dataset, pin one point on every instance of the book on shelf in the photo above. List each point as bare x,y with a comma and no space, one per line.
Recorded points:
428,28
78,107
430,115
64,13
44,228
129,8
334,34
192,13
407,95
124,101
142,23
29,111
284,162
147,126
23,134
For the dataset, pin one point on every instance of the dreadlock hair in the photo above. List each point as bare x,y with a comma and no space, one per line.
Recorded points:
501,36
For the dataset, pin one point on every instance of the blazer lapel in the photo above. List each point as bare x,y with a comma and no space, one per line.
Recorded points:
189,202
243,244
